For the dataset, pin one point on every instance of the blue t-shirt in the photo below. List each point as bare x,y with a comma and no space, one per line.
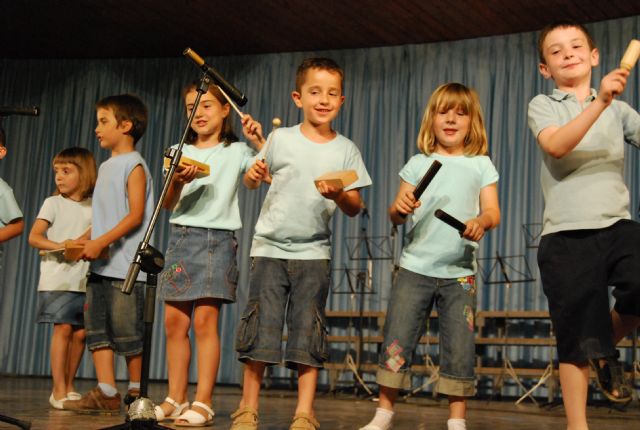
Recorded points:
212,201
434,248
9,209
294,219
110,204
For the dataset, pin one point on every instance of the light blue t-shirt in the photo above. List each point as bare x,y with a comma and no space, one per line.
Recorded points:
585,189
212,201
294,220
434,248
9,209
110,204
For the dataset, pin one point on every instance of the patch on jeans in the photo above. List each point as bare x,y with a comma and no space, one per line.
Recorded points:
395,360
468,283
177,277
468,315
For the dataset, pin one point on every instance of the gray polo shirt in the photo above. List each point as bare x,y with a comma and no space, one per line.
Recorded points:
585,188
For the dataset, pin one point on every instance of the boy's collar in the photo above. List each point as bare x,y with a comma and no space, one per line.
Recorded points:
559,95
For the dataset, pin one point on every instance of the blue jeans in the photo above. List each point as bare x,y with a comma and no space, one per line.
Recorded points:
297,288
412,298
113,319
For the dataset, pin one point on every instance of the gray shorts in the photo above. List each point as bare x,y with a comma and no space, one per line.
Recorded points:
60,307
297,289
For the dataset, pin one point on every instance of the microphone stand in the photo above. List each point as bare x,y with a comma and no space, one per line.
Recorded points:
141,414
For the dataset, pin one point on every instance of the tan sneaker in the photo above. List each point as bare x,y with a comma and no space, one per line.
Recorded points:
245,419
94,400
304,421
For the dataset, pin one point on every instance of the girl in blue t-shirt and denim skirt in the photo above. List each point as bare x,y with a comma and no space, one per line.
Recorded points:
200,266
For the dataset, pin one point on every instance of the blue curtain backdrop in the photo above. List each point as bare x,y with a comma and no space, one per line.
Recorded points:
386,91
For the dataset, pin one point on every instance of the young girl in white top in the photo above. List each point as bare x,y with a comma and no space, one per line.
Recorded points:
65,216
200,267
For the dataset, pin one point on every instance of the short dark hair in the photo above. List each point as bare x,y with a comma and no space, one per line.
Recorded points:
317,63
561,24
127,107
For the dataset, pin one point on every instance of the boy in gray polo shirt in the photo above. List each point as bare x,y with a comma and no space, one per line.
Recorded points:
589,241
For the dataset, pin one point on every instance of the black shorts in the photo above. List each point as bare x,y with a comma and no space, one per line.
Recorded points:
577,267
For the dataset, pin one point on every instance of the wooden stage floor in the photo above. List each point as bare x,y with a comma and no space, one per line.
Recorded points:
27,399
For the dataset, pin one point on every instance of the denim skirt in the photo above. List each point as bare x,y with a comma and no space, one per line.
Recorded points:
199,263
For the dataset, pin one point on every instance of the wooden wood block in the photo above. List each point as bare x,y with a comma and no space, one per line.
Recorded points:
203,169
630,57
72,252
338,179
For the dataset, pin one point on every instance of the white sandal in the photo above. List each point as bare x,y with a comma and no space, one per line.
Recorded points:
192,418
177,410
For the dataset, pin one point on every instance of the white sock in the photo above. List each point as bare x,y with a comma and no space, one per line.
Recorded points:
108,389
381,420
456,424
133,385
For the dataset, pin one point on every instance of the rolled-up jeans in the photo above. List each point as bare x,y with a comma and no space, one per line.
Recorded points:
412,298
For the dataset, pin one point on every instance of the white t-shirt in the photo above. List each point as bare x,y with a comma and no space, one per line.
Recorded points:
67,219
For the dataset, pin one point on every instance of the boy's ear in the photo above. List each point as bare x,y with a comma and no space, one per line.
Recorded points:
544,71
126,126
595,57
296,98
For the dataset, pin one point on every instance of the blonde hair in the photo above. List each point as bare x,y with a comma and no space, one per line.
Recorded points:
452,96
86,164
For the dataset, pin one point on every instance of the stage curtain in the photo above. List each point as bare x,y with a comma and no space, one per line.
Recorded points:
386,91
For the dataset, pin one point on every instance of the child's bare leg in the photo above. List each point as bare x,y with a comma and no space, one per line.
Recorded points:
76,349
307,382
205,324
388,397
252,379
134,366
623,325
60,342
574,381
177,320
103,360
457,407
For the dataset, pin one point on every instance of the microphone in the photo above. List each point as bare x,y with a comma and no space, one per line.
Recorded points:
451,221
19,110
232,91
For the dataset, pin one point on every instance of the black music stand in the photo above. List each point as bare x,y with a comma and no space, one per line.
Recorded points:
498,273
532,233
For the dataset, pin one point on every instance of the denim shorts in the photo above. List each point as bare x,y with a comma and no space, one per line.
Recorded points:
411,300
61,307
112,318
199,263
576,268
297,289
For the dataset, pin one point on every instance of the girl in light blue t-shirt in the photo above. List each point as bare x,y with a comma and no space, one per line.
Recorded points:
200,266
438,263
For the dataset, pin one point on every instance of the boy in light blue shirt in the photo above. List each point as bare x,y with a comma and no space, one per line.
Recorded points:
290,270
588,240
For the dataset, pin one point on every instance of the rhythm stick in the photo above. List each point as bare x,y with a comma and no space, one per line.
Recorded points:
453,222
233,105
276,123
425,181
630,57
